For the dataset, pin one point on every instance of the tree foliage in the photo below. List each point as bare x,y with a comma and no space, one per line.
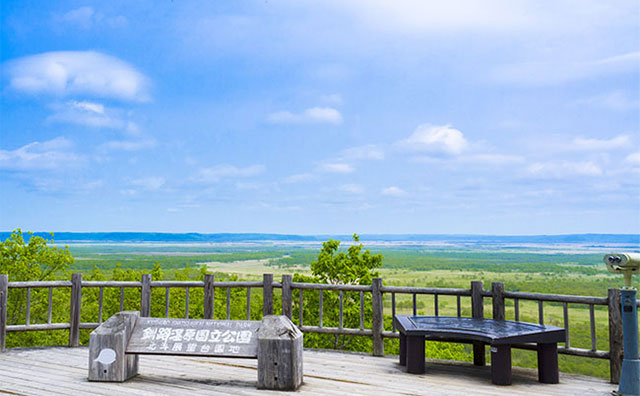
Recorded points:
36,260
354,267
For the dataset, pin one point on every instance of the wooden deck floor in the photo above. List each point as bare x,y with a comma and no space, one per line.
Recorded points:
63,371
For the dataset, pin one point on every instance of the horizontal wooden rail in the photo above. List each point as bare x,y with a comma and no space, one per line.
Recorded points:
426,290
374,294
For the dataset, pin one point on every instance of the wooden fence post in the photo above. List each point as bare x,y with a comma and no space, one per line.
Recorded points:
145,296
287,297
208,296
4,297
477,311
267,294
377,322
75,310
615,336
497,298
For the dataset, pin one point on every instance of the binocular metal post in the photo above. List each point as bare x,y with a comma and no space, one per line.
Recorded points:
628,264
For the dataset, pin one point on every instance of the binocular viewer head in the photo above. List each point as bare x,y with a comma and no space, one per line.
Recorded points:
625,263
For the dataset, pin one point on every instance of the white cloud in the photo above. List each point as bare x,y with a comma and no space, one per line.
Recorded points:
298,178
352,189
54,154
617,100
215,174
128,145
76,73
86,18
313,115
435,139
393,191
332,99
337,167
556,72
589,144
367,152
149,183
491,159
91,114
633,158
563,169
82,17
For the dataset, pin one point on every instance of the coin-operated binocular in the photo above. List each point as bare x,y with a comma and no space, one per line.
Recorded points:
628,264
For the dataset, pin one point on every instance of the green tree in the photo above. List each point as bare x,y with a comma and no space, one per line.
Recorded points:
353,267
36,260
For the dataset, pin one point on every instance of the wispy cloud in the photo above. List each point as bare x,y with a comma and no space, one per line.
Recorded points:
437,139
75,73
633,158
149,183
556,72
217,173
393,191
336,167
313,115
591,144
91,114
352,189
128,145
563,169
367,152
298,178
86,17
54,154
616,100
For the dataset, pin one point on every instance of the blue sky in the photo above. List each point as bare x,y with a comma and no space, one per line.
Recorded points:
333,116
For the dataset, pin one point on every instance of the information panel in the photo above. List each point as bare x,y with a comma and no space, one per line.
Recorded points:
197,337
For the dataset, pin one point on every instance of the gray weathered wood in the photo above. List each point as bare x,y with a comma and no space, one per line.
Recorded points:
267,294
287,296
4,291
565,314
108,361
497,297
208,296
145,296
615,336
477,311
377,323
194,337
74,311
279,354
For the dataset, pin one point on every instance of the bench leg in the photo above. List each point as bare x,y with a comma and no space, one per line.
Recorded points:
478,353
501,364
403,350
415,354
548,363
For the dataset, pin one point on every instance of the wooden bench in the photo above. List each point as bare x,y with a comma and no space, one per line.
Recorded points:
499,334
276,342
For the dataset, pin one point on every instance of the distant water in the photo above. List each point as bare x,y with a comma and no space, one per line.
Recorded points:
549,243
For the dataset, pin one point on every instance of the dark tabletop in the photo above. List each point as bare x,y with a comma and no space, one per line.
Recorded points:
486,330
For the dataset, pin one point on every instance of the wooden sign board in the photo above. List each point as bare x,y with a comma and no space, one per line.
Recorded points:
195,337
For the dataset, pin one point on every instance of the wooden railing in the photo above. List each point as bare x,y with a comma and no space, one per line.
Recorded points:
376,330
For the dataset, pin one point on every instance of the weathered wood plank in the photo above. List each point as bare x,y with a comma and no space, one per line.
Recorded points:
477,311
74,311
39,372
615,336
377,325
267,294
4,290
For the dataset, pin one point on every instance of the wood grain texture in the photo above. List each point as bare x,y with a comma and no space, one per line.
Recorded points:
267,294
615,336
108,360
279,354
40,372
4,290
74,310
477,311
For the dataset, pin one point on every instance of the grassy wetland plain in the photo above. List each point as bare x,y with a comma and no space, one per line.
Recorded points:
558,268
